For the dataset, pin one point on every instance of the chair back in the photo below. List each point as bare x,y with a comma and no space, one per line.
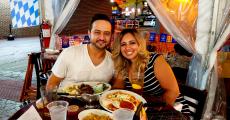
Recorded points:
196,100
28,91
35,61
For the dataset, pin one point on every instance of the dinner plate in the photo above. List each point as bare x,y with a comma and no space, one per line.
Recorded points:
98,112
95,85
51,51
115,99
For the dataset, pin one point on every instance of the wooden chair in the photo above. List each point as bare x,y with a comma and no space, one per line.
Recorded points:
180,74
196,100
30,92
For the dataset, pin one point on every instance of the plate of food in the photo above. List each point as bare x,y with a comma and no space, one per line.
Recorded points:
95,114
115,99
79,88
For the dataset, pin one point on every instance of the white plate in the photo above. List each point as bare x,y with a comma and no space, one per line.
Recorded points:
51,51
105,101
92,84
84,113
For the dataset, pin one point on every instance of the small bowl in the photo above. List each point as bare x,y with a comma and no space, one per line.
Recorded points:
87,112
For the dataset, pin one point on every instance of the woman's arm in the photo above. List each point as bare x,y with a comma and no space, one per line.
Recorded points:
167,80
118,82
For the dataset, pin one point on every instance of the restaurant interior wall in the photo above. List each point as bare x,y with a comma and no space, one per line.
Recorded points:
5,20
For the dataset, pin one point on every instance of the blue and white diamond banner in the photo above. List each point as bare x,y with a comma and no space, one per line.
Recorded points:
24,13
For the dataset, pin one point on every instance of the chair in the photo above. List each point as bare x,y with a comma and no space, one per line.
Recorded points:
195,98
40,75
30,92
180,74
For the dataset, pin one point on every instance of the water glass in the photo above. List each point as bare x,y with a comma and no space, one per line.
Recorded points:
58,110
123,114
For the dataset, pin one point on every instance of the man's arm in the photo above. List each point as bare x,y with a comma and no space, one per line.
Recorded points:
53,82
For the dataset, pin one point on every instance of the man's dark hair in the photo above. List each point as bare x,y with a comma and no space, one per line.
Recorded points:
100,17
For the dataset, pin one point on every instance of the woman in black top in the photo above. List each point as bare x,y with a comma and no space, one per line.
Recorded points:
131,56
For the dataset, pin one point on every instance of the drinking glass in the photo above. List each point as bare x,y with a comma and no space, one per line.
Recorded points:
58,110
123,114
51,95
137,82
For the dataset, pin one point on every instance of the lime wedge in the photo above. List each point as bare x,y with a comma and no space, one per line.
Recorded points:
136,86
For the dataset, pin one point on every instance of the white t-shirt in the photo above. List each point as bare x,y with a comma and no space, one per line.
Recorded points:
74,64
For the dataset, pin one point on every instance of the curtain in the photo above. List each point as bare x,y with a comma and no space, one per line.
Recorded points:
178,18
48,11
52,9
202,35
58,6
62,12
220,31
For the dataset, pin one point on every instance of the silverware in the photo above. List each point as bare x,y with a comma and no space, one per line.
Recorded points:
154,104
137,112
67,94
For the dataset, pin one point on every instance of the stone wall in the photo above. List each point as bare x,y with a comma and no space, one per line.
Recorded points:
5,20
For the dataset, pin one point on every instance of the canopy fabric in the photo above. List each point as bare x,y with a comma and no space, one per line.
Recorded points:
58,6
209,29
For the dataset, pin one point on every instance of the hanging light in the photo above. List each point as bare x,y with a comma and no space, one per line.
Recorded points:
133,10
127,12
145,4
126,9
138,10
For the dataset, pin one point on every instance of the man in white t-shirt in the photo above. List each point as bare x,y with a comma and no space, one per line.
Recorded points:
90,62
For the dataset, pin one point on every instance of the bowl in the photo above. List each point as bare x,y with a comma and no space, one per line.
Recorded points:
86,113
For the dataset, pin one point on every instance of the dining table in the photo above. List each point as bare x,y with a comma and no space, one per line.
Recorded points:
156,111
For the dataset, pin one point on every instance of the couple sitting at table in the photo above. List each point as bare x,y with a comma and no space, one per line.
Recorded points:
93,62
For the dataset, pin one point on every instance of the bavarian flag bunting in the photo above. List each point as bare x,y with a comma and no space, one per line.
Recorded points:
24,13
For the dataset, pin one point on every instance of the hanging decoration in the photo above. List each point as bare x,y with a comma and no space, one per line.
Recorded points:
24,13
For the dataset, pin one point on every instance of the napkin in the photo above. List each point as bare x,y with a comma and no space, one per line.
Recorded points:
30,114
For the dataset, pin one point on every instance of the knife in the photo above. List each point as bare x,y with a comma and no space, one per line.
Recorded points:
154,104
62,93
137,112
67,94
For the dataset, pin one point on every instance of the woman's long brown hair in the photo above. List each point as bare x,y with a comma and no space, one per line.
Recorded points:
122,64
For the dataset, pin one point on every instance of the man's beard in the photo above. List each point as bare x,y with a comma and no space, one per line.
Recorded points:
98,46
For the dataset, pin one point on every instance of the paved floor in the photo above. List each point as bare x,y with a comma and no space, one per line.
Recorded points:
13,63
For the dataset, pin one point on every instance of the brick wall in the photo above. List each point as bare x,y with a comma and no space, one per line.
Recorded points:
5,20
